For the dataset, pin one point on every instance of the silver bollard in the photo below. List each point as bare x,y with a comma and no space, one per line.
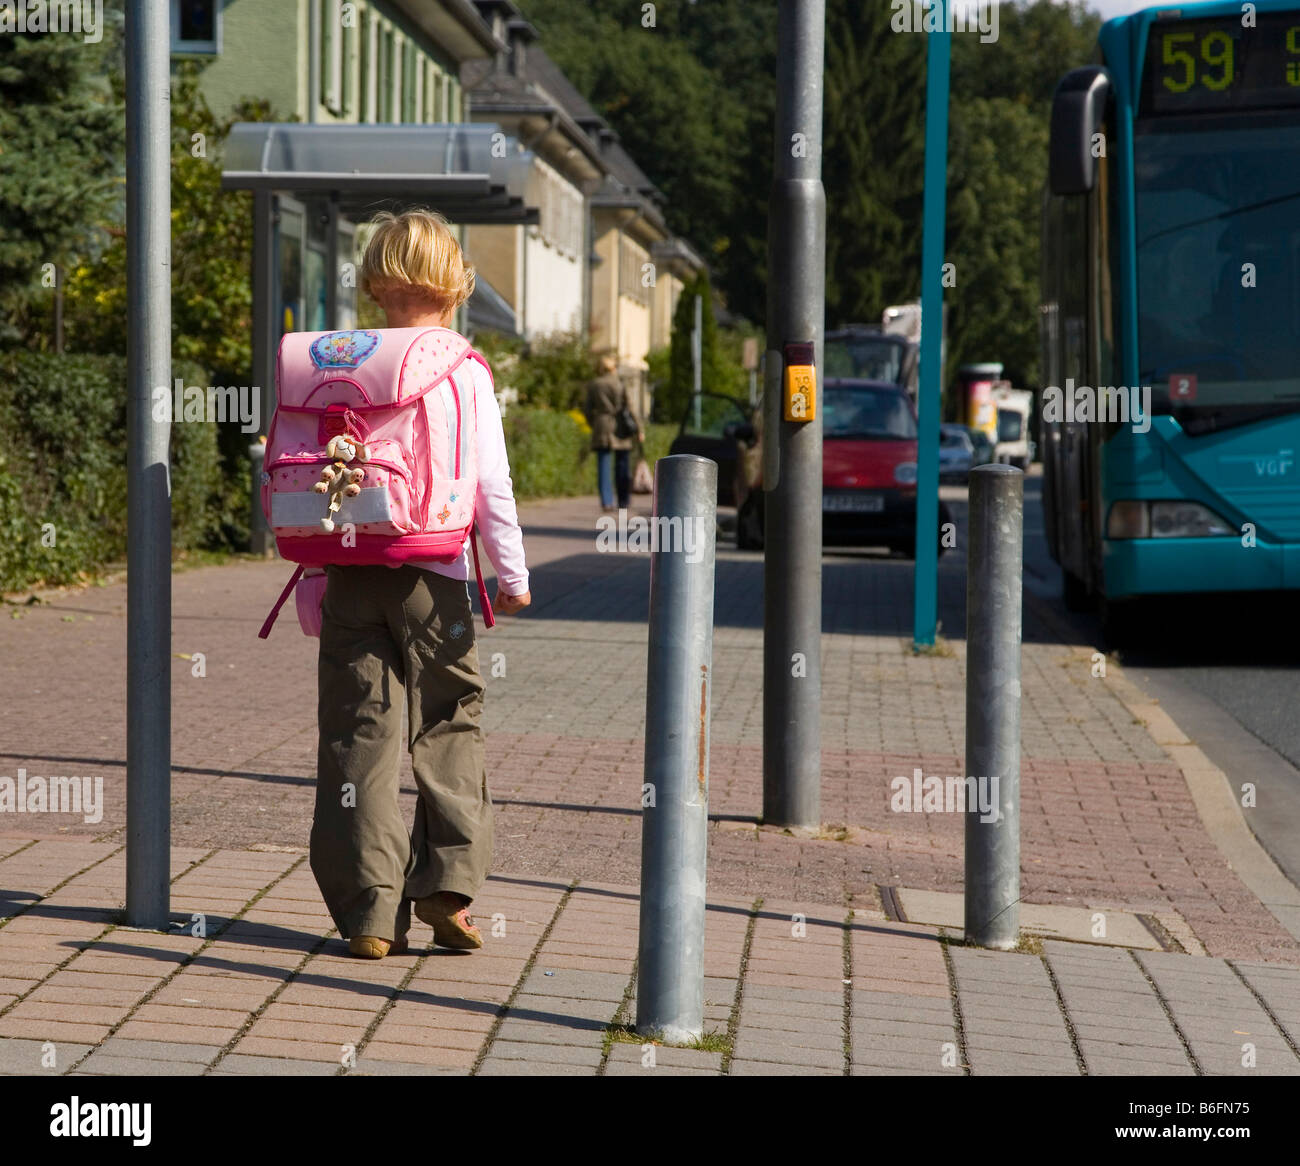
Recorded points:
993,613
260,539
675,796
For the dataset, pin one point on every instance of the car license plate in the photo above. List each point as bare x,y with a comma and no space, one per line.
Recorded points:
857,503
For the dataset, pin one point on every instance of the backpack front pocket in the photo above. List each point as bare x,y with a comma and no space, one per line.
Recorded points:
383,506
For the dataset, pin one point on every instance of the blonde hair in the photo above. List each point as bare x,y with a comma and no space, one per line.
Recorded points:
416,254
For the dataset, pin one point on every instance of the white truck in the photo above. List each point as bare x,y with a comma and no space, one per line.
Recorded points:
1014,407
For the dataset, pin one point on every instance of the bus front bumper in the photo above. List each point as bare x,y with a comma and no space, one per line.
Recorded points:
1166,566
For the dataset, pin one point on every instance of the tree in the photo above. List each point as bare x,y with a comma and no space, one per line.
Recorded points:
998,154
61,149
872,161
691,98
212,247
674,397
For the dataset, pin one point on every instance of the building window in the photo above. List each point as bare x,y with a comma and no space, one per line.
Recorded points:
630,259
370,70
395,78
196,26
387,69
331,54
408,80
349,106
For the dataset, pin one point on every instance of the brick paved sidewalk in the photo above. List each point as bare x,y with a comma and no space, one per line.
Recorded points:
790,988
1107,819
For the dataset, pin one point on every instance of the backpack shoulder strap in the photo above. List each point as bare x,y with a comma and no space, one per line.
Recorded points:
284,595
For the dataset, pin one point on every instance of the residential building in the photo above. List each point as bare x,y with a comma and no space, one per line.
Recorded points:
618,270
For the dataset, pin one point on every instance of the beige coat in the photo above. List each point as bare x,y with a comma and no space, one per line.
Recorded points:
605,397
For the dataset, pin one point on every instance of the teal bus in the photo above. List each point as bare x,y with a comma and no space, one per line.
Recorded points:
1170,314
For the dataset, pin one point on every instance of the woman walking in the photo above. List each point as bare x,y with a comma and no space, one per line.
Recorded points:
613,428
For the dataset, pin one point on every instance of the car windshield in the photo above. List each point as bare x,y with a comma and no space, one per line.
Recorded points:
866,412
1218,229
953,439
714,415
864,357
1010,424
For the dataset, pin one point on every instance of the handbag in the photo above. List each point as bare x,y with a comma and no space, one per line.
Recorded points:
642,480
625,423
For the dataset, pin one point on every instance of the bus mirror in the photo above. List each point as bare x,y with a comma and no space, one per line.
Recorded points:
1078,108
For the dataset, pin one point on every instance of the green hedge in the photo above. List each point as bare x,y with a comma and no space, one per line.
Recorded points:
550,453
63,463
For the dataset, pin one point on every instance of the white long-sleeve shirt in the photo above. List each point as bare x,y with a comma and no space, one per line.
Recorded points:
494,508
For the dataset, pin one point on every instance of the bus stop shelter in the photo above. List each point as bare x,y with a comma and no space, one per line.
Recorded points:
313,184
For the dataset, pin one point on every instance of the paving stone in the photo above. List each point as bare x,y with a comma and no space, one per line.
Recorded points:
632,1054
494,1067
535,1032
368,1067
19,1057
628,1069
101,1065
246,1065
744,1068
117,1046
555,1054
749,1049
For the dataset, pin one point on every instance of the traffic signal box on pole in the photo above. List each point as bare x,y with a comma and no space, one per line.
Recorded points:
800,398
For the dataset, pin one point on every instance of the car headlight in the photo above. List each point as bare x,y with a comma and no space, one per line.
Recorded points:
1130,518
905,473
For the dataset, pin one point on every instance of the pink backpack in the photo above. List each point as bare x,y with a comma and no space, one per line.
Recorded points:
372,454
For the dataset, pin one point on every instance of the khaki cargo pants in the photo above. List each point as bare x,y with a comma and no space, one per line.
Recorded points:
388,633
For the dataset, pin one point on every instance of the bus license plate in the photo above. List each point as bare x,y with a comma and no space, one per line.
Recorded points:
857,503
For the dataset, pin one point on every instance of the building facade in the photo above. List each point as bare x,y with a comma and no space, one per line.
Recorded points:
619,270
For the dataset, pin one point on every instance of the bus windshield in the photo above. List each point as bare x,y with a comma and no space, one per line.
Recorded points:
1218,264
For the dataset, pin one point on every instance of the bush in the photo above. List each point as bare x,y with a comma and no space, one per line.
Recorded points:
549,372
550,455
64,475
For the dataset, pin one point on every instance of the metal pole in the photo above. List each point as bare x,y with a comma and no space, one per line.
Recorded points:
148,593
796,309
993,706
925,583
697,356
675,797
266,331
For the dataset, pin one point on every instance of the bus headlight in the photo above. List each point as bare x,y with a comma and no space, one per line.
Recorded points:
1186,520
1129,519
1136,519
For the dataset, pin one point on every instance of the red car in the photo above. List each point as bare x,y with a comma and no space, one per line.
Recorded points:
868,470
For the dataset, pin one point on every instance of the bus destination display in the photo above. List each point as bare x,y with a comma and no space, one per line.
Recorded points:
1195,66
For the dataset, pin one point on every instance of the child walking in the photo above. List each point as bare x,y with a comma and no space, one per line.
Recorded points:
389,634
